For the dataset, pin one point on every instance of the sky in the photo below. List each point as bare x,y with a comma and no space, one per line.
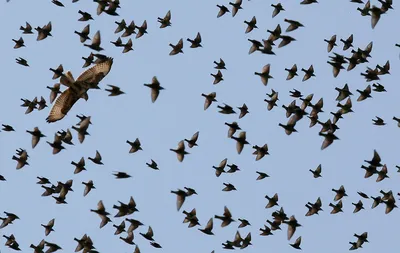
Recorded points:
178,113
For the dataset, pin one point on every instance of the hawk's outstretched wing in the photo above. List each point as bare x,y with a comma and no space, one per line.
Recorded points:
62,105
96,73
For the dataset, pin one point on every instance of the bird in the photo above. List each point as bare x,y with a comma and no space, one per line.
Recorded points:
96,41
97,159
166,21
176,49
49,227
196,42
226,218
155,88
192,142
265,76
135,145
114,91
77,89
209,99
36,135
180,151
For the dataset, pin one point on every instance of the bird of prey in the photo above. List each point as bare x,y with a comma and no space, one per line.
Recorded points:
78,89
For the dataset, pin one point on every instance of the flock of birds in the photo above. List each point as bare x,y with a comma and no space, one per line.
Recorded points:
67,91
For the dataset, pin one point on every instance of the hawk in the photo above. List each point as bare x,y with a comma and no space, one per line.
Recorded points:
78,88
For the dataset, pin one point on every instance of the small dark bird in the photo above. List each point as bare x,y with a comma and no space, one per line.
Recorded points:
261,175
347,43
228,187
336,208
118,42
36,135
277,9
114,91
364,94
376,160
236,7
285,40
226,109
58,3
196,42
217,77
292,72
243,111
378,87
49,227
84,34
308,73
97,159
95,42
251,24
153,165
378,121
180,151
176,49
22,61
127,46
265,76
88,187
141,30
272,201
331,43
240,141
297,243
27,29
44,32
292,226
149,234
208,228
226,218
358,206
233,127
57,144
155,88
329,138
166,21
222,10
120,175
19,43
220,64
340,193
193,140
317,172
135,146
209,99
85,16
220,169
293,25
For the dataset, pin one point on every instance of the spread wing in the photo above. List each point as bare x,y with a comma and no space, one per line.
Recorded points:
62,105
96,73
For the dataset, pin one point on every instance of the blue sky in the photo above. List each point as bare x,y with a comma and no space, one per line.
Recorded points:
178,113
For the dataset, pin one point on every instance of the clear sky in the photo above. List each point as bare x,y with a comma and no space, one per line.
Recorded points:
178,113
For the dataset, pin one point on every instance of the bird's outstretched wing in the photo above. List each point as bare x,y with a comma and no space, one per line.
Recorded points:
62,105
96,73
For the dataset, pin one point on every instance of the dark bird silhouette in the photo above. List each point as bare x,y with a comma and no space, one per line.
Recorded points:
44,32
180,151
166,21
226,218
196,42
176,49
155,88
277,9
222,10
95,42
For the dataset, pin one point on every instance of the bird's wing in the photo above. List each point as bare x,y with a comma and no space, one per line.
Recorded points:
62,105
